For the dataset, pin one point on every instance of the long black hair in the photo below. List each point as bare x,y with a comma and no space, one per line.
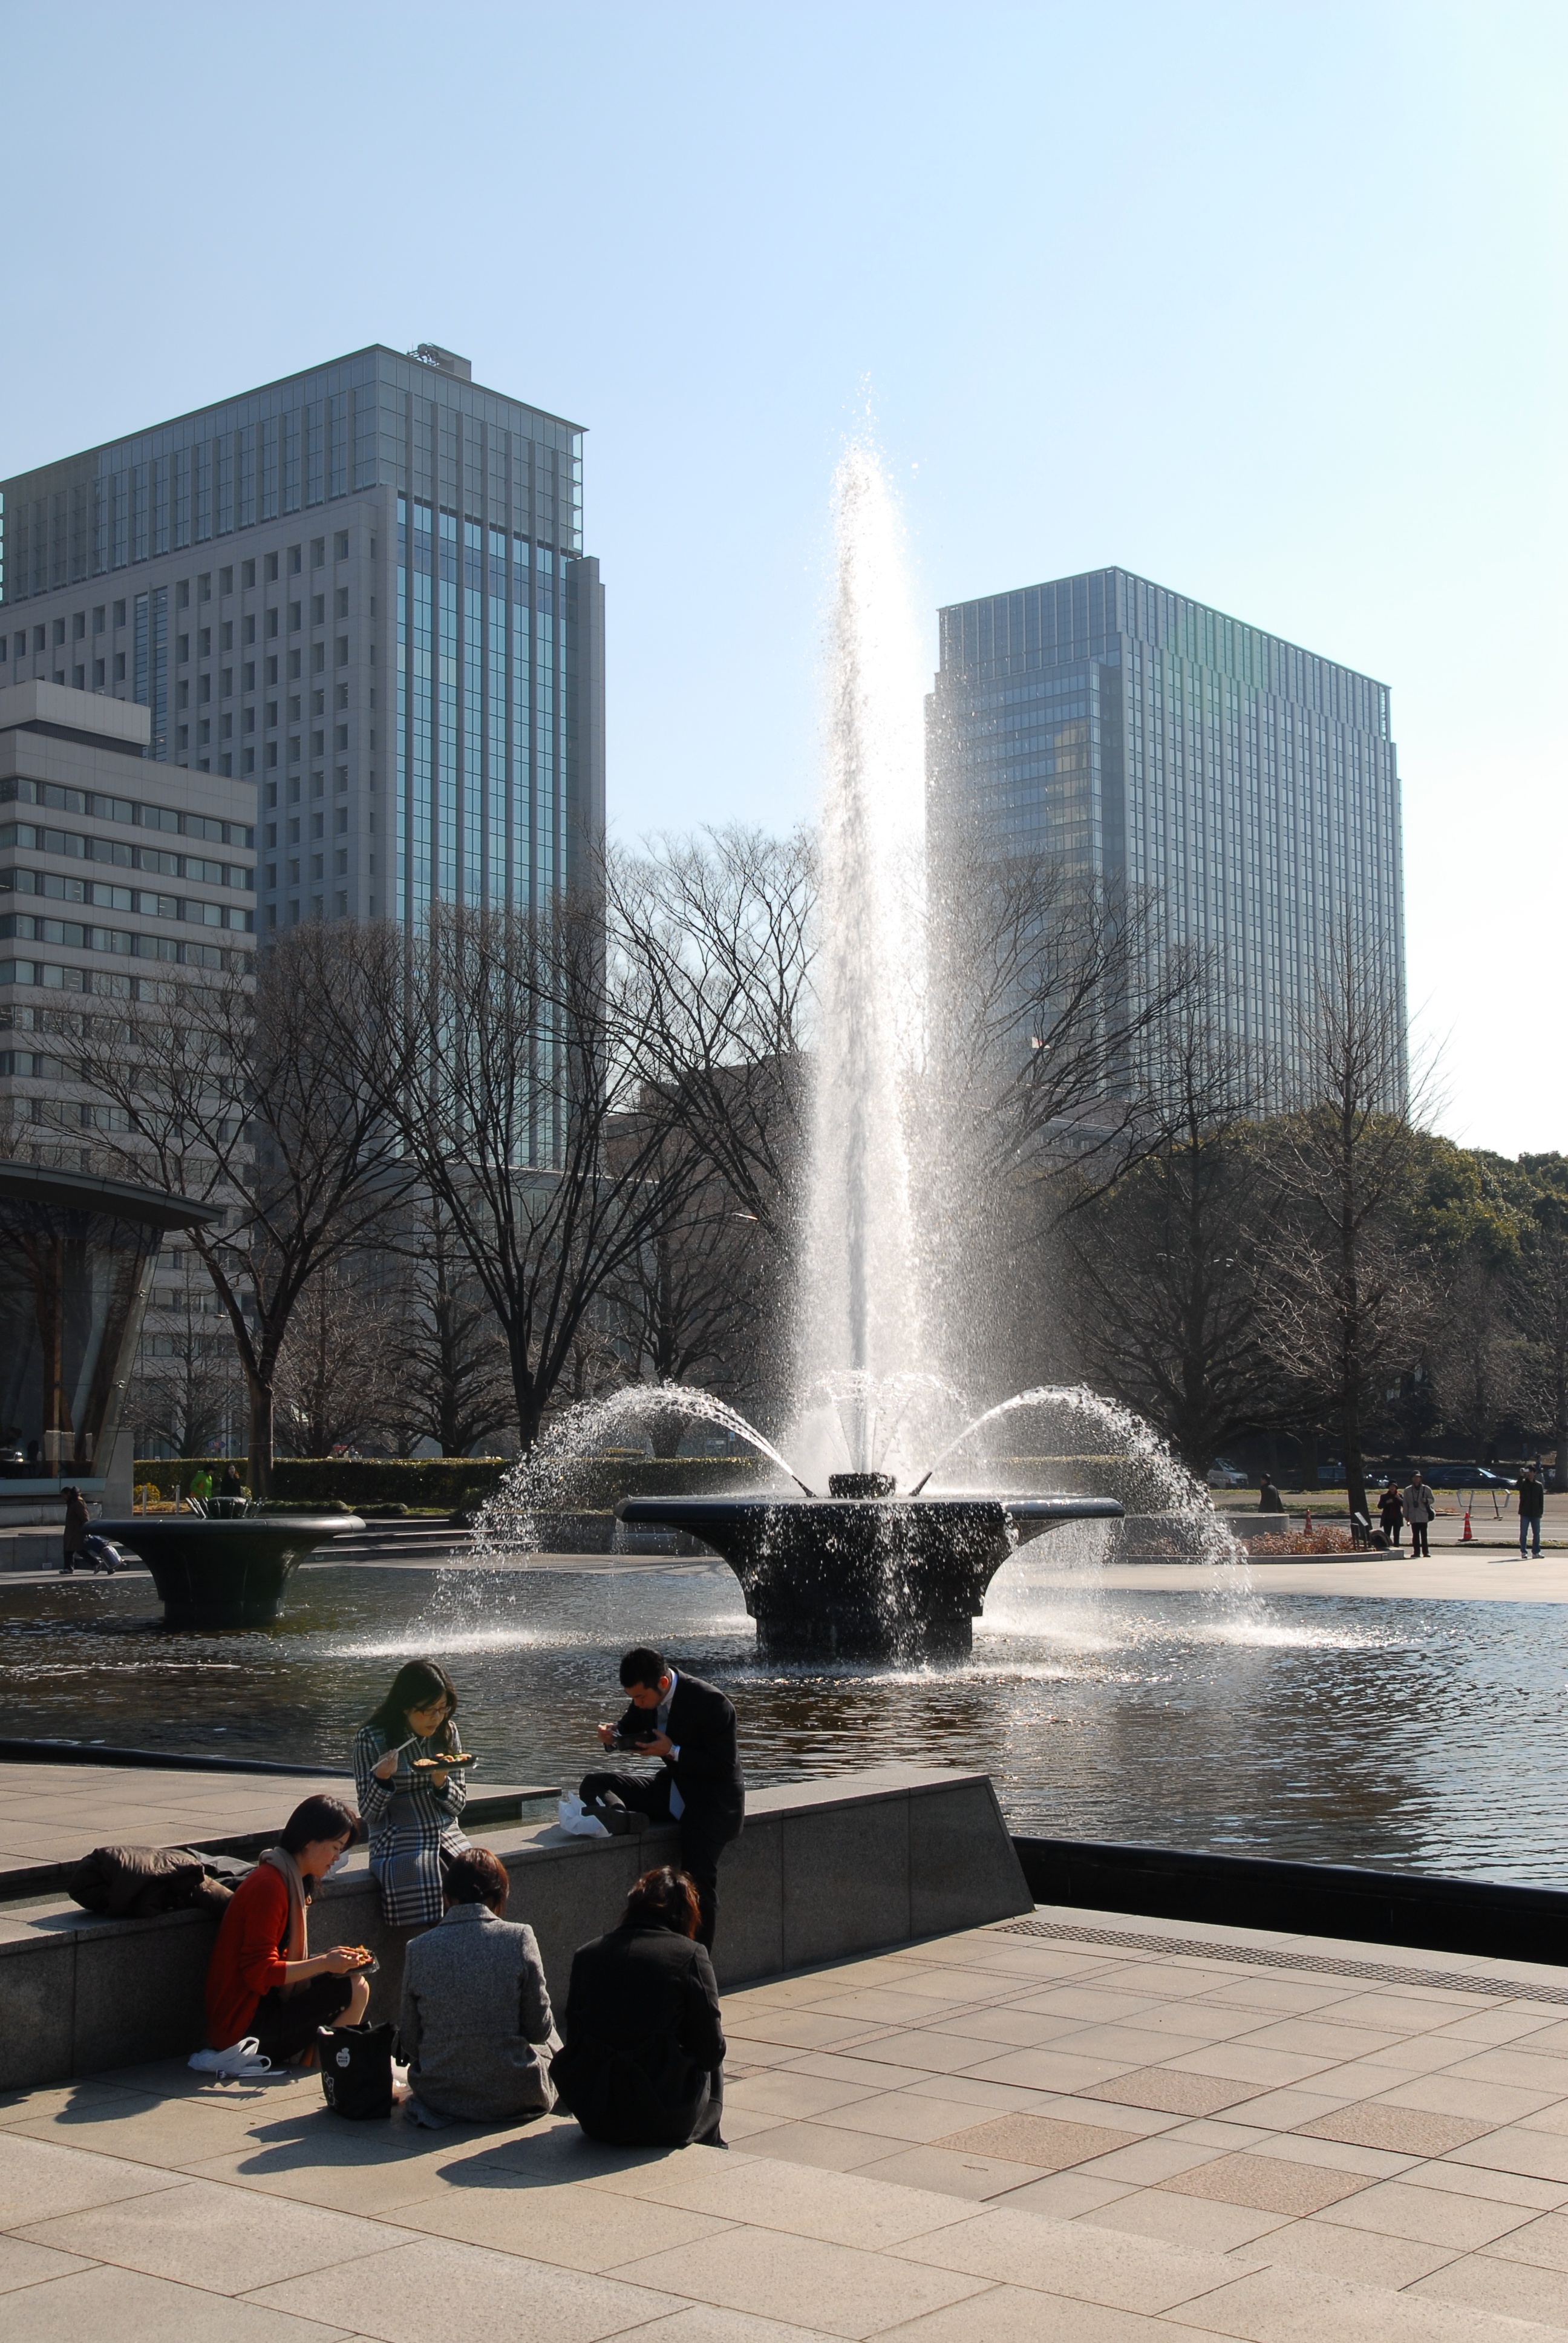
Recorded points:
418,1684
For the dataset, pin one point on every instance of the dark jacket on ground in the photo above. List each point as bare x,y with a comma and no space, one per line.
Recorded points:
643,2036
1532,1500
708,1771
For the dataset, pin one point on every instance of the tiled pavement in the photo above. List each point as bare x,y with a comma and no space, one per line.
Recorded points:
987,2137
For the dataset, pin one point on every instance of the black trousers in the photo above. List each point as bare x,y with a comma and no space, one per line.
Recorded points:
700,1845
1418,1543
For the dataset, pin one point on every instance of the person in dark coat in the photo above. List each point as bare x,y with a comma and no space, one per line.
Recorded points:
1532,1505
1268,1498
1390,1512
78,1528
642,2064
690,1726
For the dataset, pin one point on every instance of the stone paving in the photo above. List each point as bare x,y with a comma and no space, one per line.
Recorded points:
1172,2132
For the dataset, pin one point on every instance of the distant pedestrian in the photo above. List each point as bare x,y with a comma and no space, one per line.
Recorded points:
1420,1506
77,1527
231,1485
1390,1512
1532,1505
1268,1498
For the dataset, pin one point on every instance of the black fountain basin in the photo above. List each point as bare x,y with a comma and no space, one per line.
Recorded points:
872,1576
226,1573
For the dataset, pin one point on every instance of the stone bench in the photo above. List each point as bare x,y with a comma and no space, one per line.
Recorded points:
823,1870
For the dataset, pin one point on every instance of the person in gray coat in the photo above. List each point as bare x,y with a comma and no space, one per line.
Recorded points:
476,2012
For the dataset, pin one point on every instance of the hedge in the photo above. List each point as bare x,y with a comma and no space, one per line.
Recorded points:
441,1483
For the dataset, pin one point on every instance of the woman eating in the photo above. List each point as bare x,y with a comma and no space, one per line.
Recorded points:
265,1995
409,1800
475,2006
643,2064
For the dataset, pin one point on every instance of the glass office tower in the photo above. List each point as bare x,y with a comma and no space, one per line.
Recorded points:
1144,737
362,591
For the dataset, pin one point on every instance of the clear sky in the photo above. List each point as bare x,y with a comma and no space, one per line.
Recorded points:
1263,301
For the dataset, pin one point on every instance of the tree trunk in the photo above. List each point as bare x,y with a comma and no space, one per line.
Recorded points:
1351,1437
260,1462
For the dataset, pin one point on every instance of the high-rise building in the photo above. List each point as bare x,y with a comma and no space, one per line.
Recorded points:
361,592
1144,737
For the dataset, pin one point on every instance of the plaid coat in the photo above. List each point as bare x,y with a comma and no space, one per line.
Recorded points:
410,1825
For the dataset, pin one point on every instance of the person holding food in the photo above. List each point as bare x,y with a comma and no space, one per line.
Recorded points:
266,1993
408,1768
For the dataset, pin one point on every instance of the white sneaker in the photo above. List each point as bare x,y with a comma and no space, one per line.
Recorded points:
239,2058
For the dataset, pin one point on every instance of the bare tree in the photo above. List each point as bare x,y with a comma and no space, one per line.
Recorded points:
1170,1265
188,1386
336,1385
454,1374
233,1091
1349,1302
1479,1355
512,1058
715,937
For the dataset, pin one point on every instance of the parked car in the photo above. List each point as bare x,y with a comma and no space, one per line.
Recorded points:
1466,1476
1224,1474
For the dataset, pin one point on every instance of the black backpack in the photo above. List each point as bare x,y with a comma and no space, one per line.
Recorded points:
357,2068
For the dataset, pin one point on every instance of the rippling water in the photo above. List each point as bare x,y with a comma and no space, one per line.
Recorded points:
1427,1735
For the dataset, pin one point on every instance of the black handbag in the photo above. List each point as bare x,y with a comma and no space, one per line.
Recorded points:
357,2068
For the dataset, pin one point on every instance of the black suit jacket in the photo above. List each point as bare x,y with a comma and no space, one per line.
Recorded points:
708,1771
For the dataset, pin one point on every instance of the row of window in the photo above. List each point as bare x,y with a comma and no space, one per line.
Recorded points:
60,799
75,847
54,978
317,869
193,910
292,559
26,927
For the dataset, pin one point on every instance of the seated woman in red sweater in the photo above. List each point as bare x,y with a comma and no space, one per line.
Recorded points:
261,1984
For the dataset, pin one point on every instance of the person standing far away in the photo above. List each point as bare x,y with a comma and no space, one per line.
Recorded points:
1532,1505
1390,1512
1420,1505
1268,1498
201,1485
690,1726
77,1526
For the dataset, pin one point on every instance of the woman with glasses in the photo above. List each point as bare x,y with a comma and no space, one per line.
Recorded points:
409,1800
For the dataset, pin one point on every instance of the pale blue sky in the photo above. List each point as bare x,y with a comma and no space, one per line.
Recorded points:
1261,301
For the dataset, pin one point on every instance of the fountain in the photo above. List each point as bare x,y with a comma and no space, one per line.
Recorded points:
225,1573
863,1570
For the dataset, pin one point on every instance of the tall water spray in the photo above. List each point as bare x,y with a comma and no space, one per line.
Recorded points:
861,1288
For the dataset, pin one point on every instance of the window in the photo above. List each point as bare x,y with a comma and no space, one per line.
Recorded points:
341,824
249,683
342,862
204,586
39,639
250,760
204,734
226,581
318,790
120,614
250,631
119,666
341,742
225,683
182,649
317,610
342,695
294,560
98,673
204,642
294,831
272,704
226,729
342,651
271,572
294,799
343,601
317,823
79,625
317,552
182,737
272,618
183,595
203,688
294,708
294,669
247,573
340,545
59,630
272,760
79,677
225,635
272,670
99,615
182,695
317,744
296,614
318,658
343,778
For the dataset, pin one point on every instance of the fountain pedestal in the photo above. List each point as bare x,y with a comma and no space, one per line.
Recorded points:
226,1573
877,1576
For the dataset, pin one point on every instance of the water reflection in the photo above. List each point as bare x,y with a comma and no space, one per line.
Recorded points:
1401,1733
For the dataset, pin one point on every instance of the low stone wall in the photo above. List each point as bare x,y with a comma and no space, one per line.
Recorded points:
822,1870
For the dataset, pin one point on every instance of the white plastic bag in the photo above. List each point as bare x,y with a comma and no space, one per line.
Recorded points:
569,1815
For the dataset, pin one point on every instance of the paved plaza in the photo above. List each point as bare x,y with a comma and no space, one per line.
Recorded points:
1082,2127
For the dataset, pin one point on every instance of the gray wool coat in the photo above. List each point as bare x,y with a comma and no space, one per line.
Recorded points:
476,2011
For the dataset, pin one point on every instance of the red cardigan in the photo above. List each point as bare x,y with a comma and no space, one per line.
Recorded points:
247,1958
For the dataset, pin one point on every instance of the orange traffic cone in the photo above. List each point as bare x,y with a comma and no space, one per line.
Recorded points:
1464,1536
1309,1524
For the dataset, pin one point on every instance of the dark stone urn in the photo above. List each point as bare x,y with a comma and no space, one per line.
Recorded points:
865,1574
226,1573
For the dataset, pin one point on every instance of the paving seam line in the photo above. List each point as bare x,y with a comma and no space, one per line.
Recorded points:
1256,1957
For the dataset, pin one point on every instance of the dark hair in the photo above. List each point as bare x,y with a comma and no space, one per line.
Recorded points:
418,1684
475,1876
315,1818
643,1666
667,1897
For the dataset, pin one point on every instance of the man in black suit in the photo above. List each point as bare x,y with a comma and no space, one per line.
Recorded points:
690,1726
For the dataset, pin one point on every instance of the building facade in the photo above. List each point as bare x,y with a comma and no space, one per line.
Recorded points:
361,593
1145,738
